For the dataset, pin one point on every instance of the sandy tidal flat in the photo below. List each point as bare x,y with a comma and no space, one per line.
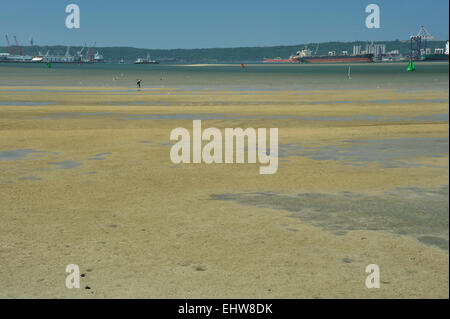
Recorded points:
86,179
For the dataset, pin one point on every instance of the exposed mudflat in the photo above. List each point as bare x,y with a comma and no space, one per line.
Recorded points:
86,178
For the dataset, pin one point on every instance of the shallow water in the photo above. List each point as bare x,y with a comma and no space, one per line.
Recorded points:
27,103
103,154
390,153
381,101
30,178
255,76
12,155
137,103
66,164
417,212
233,116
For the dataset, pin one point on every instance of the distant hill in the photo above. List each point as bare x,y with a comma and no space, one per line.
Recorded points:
217,55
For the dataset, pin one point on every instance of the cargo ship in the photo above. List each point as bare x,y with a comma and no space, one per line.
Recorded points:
363,58
54,59
8,58
304,56
65,59
439,54
434,57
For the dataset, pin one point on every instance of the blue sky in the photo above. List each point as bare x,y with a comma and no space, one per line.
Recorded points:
212,23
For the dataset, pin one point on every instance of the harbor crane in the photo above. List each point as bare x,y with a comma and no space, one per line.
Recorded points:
419,42
11,50
18,46
91,52
80,53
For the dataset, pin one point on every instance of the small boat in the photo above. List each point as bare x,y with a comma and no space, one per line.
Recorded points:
146,61
37,59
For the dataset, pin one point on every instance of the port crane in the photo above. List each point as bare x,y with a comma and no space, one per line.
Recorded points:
80,53
11,50
91,52
18,46
419,42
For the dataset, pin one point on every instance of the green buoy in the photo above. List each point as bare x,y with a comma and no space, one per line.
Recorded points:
411,66
49,65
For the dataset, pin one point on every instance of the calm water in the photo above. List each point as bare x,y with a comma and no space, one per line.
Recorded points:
254,77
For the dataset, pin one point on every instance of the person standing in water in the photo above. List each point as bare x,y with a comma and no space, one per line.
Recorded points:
138,83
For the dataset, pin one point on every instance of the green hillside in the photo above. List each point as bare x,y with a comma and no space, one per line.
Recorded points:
216,55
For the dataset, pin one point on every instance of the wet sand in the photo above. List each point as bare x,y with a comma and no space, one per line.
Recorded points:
86,178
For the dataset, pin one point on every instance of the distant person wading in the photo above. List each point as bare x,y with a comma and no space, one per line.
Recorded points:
138,83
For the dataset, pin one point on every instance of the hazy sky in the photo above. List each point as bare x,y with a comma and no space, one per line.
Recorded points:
213,23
